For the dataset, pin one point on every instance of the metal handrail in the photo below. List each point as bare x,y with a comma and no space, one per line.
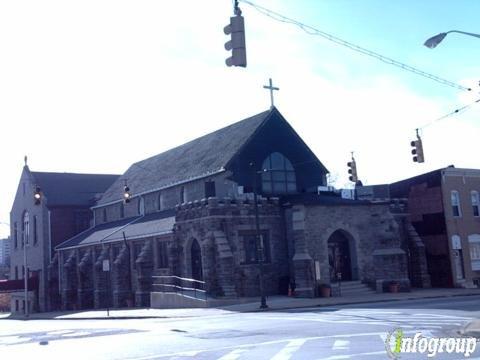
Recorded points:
177,288
181,287
178,277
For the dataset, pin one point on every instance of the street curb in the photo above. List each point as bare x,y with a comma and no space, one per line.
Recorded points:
288,307
88,318
360,302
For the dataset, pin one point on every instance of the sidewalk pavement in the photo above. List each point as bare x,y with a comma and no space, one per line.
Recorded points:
252,305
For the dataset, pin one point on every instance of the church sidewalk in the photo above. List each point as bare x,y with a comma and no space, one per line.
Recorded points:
252,305
284,302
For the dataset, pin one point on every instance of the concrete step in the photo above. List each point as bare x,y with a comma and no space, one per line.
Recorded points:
229,291
352,288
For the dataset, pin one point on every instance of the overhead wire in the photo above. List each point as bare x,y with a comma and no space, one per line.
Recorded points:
455,112
314,31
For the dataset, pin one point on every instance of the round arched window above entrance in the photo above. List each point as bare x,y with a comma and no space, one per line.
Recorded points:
278,175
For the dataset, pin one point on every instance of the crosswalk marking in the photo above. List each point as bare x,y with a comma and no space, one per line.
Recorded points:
190,353
442,316
352,356
266,343
233,355
381,318
341,344
287,352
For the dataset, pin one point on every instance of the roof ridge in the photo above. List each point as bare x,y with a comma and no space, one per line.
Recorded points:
194,159
70,173
251,118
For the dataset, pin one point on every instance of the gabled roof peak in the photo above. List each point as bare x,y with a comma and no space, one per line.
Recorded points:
197,158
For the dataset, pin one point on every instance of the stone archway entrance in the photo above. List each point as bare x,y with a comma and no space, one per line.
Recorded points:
342,256
196,261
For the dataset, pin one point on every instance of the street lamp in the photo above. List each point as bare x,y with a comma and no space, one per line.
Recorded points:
259,240
25,267
435,40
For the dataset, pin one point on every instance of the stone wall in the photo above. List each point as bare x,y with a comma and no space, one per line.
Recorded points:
37,253
85,285
374,239
221,227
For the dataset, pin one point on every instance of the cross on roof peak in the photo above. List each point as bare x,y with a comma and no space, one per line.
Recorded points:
271,88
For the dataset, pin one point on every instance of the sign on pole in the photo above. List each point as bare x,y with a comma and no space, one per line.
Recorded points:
106,265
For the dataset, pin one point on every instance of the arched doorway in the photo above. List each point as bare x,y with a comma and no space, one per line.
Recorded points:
342,256
196,261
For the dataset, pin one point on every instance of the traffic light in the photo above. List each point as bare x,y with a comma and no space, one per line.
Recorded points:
417,150
37,195
126,194
236,30
352,171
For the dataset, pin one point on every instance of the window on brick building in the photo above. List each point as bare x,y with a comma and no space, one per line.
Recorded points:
141,206
210,189
104,215
82,220
252,254
475,203
474,246
182,195
455,198
162,254
122,210
25,228
279,175
160,201
16,272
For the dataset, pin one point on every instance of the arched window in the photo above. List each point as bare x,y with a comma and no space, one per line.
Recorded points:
456,203
475,203
26,228
278,175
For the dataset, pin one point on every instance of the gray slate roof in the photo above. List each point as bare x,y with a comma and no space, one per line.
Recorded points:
158,223
197,158
72,189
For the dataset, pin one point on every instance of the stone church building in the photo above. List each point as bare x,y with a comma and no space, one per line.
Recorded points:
191,214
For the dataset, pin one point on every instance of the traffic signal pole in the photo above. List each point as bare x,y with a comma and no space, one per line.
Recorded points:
236,44
417,150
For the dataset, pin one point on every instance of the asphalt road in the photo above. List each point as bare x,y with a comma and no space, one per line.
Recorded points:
333,333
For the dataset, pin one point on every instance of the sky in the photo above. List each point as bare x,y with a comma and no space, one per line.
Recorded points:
93,86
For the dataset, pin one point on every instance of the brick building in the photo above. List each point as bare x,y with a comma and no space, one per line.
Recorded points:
5,251
62,211
444,208
4,258
192,215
